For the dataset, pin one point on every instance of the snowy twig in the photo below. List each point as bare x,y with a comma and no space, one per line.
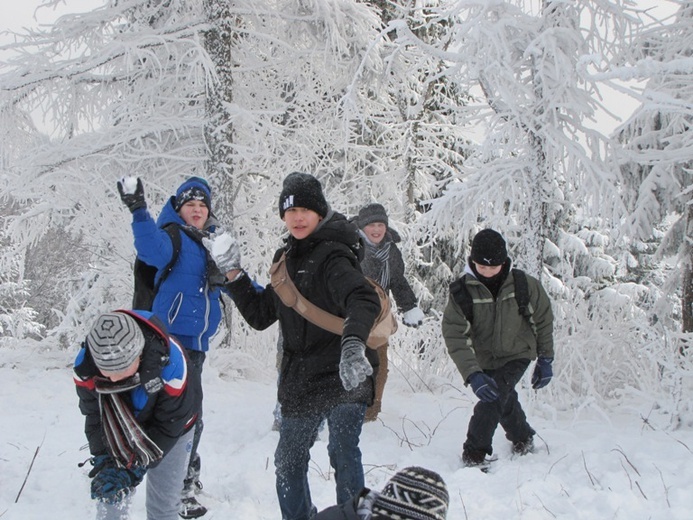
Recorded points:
389,467
316,466
666,488
548,451
618,449
593,479
647,422
464,508
640,489
630,480
28,471
559,460
542,505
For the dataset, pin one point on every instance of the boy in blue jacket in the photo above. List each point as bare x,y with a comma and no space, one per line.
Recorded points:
188,299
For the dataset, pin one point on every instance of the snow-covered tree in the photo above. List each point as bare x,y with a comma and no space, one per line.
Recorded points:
656,150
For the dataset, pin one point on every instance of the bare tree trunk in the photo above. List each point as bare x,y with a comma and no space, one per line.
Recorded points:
687,290
537,209
218,131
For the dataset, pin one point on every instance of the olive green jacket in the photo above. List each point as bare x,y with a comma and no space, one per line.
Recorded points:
499,333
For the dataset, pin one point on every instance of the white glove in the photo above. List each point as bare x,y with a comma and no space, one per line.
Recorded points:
413,317
354,368
224,250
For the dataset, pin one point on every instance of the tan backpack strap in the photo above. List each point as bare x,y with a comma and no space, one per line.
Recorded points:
290,296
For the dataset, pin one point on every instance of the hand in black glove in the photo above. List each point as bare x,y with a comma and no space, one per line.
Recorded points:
484,387
134,200
353,365
110,484
542,373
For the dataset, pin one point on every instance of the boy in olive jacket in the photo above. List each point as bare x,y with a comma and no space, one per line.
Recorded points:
494,351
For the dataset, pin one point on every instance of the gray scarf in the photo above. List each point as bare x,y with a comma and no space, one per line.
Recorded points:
375,263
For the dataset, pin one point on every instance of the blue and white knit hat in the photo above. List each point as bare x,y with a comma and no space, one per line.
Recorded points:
195,188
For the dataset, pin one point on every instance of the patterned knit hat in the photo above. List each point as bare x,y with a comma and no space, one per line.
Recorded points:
302,190
488,248
195,188
372,213
414,493
115,341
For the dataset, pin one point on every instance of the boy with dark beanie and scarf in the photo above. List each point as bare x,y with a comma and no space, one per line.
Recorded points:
188,300
494,351
323,376
383,263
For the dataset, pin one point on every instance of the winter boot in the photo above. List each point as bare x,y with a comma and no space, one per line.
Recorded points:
473,457
523,447
189,506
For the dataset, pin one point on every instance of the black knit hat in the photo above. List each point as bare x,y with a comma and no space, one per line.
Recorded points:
488,248
195,188
414,493
372,213
302,190
115,341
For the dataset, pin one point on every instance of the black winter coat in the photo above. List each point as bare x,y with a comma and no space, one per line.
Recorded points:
345,511
325,269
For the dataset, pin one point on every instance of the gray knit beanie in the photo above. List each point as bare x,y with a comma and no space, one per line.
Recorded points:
115,341
372,213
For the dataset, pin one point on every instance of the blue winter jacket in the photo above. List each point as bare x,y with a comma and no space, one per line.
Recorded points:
185,302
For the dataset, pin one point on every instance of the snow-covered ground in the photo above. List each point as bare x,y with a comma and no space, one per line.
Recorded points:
624,466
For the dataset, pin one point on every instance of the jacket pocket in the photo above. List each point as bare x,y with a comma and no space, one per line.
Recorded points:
174,309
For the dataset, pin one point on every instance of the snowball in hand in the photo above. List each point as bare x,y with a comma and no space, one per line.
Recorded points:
225,251
221,244
129,184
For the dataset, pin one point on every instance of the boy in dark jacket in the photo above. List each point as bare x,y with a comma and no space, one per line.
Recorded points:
140,405
322,375
413,493
383,263
494,351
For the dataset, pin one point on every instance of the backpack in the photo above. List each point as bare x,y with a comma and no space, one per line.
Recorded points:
384,325
145,275
459,292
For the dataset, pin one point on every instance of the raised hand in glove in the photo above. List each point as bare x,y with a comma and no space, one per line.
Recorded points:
111,483
413,317
132,194
354,368
484,387
224,250
542,373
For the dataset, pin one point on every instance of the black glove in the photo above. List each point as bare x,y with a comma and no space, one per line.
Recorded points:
133,201
353,365
542,373
484,387
110,484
